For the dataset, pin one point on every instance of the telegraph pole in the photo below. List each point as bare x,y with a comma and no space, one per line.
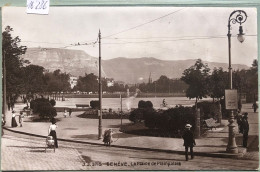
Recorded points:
100,90
4,89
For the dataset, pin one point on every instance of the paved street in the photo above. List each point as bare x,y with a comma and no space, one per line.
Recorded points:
20,150
29,155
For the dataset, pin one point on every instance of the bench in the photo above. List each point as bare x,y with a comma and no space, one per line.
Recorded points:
27,112
211,123
82,105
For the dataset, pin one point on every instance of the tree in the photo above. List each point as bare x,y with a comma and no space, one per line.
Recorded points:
33,79
218,82
197,79
12,52
57,81
88,83
252,80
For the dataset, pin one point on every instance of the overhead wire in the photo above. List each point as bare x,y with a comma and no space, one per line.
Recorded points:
170,40
63,47
142,24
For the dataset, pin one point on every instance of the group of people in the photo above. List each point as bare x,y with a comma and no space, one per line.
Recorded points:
189,141
65,113
14,123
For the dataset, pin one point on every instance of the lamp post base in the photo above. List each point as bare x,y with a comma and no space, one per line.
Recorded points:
99,132
232,146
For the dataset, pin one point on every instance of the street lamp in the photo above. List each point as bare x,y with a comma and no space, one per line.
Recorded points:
237,16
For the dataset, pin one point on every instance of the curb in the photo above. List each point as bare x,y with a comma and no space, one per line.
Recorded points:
242,151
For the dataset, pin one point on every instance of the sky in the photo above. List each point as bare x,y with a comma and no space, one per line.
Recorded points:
166,33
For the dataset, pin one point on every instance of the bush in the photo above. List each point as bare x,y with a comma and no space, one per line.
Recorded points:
43,107
136,115
143,112
141,104
94,104
52,102
150,118
179,116
145,104
148,104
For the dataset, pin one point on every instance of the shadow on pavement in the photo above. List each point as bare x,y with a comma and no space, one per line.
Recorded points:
212,146
43,151
122,135
86,136
70,129
29,147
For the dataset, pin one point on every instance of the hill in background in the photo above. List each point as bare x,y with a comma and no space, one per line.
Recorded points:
129,70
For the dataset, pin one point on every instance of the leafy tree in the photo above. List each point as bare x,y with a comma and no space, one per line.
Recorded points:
33,79
88,83
197,79
57,81
12,52
218,82
252,79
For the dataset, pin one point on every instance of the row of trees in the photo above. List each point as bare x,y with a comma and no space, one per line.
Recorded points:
202,83
25,78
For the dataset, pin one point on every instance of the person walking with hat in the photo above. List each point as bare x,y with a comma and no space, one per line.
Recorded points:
189,141
245,127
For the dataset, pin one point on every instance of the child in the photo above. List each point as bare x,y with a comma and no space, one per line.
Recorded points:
21,119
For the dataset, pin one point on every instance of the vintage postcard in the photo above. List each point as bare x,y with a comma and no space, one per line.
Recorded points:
129,88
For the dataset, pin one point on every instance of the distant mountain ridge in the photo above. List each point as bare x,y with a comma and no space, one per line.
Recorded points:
128,70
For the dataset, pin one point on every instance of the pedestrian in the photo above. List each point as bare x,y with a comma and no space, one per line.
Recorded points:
255,107
3,123
14,123
21,119
52,131
239,121
70,111
245,126
12,105
65,113
108,139
189,141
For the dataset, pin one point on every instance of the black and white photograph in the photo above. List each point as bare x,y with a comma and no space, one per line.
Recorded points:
130,88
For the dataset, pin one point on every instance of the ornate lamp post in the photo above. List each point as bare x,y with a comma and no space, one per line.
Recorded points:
238,16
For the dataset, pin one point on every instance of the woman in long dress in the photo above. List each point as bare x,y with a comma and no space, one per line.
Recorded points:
52,132
14,123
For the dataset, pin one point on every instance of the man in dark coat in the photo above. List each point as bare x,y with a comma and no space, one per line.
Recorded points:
189,141
255,107
245,127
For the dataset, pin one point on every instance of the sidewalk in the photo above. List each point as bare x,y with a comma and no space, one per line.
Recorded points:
20,154
83,130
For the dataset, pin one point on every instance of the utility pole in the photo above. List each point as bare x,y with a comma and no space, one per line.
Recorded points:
100,90
121,112
4,89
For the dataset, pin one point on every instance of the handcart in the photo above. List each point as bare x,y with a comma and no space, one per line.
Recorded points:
50,143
